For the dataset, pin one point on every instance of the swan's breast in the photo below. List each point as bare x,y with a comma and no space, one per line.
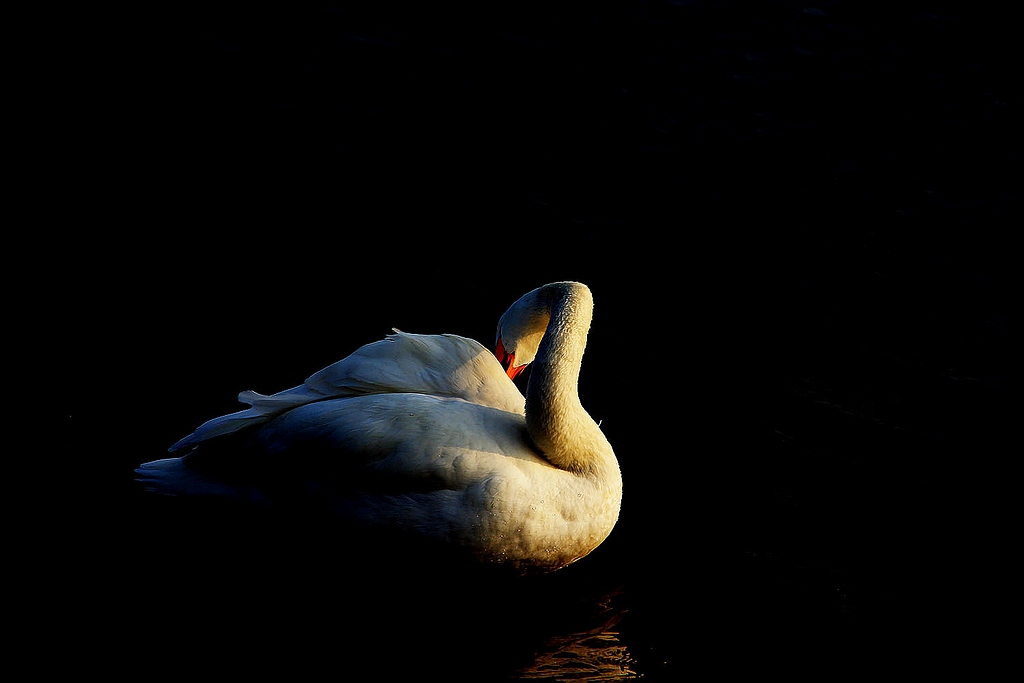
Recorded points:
535,514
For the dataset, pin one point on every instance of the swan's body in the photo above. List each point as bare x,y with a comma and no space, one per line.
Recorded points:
427,435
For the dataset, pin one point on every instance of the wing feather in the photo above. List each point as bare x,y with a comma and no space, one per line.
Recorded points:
437,365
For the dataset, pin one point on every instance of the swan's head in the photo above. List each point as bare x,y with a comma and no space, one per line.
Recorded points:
520,330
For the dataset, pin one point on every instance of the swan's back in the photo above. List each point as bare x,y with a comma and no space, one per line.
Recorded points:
433,364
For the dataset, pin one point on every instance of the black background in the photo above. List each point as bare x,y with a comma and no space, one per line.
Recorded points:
796,220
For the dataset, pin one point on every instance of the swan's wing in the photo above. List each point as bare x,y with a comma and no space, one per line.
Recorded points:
396,458
398,440
438,365
432,364
263,409
439,467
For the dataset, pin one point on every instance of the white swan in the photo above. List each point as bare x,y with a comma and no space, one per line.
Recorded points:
426,434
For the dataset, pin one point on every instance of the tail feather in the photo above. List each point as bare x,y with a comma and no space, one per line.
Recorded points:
169,476
173,477
263,409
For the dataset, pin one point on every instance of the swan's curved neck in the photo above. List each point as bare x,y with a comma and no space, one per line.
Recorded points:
555,418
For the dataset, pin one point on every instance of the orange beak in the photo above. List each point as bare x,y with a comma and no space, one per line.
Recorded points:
507,360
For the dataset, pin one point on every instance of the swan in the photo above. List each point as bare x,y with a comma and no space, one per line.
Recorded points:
427,435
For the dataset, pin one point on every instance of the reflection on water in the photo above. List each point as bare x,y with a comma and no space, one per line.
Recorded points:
595,655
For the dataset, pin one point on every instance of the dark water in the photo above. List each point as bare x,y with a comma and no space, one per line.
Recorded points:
793,220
